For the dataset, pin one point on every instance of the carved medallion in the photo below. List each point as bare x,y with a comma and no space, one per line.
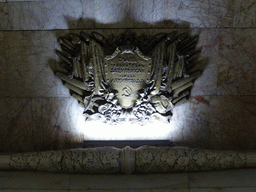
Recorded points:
128,78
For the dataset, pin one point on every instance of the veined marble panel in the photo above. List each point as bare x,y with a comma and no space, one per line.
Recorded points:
18,15
53,14
132,182
112,14
64,14
88,15
191,122
245,13
2,119
57,123
34,81
148,13
207,62
35,181
131,190
196,13
3,65
223,179
224,189
29,62
233,122
16,125
4,24
236,68
25,0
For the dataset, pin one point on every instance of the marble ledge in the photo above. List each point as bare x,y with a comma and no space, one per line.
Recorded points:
111,160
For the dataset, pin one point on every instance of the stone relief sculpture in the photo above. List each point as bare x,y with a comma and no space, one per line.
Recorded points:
111,160
128,78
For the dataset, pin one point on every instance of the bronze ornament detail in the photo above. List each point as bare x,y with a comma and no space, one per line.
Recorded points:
128,78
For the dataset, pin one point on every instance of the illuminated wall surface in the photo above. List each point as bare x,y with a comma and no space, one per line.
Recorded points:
37,112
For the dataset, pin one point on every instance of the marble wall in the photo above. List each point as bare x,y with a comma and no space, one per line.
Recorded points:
215,181
37,112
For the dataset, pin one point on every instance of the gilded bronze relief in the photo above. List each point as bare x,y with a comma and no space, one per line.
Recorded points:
128,78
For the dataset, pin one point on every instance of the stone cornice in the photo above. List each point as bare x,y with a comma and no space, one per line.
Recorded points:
112,160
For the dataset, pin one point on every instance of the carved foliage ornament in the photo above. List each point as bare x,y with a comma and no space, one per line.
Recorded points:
128,78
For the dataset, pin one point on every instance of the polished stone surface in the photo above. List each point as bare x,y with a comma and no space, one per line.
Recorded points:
236,69
232,178
245,12
214,181
56,123
233,122
16,124
37,112
212,13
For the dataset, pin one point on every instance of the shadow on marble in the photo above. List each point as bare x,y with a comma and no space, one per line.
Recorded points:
232,122
16,125
131,190
38,15
191,122
30,56
207,62
4,15
223,179
27,69
57,124
124,182
135,190
3,65
34,181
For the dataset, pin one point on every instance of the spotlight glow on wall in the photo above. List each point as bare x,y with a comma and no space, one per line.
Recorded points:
96,130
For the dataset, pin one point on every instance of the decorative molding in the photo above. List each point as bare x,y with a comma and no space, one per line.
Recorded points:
112,160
